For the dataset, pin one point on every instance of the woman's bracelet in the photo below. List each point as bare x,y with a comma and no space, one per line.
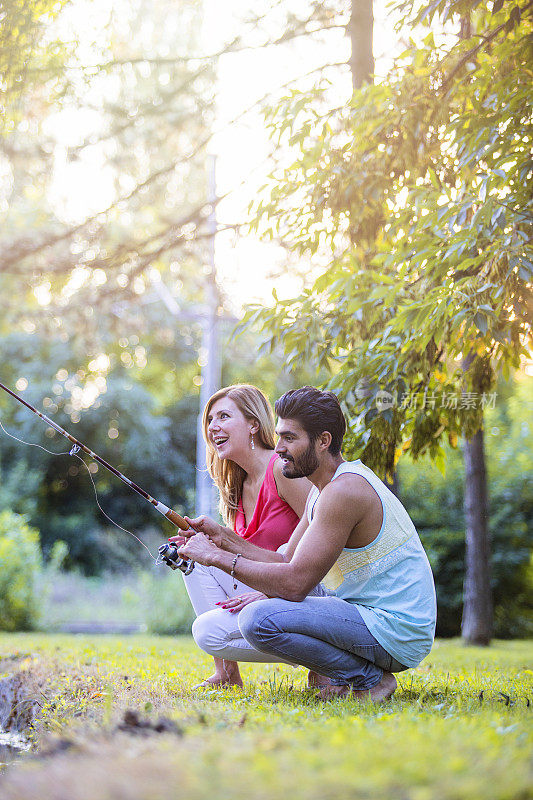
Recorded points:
232,573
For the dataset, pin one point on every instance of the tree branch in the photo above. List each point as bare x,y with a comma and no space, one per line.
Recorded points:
474,50
20,251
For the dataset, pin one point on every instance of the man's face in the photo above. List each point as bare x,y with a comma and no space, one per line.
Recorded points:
295,449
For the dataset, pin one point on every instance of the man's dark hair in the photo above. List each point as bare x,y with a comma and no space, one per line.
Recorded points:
316,412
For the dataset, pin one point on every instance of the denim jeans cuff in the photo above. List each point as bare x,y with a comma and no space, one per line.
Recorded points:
339,682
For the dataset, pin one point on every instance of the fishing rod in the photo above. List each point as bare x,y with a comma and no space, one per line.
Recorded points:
167,552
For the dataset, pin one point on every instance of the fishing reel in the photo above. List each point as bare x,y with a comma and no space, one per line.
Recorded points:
168,553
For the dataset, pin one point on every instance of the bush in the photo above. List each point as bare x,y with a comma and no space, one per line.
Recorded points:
20,565
168,608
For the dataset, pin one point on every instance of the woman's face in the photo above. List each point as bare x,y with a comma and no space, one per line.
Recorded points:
228,429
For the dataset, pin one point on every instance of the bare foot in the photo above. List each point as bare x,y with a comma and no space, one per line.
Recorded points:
219,680
332,691
316,679
226,674
381,691
384,689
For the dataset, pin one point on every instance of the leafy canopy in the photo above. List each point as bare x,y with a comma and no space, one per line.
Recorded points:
417,197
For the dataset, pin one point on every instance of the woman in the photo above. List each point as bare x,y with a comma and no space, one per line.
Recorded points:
258,504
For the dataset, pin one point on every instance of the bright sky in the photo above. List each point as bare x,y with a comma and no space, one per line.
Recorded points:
244,265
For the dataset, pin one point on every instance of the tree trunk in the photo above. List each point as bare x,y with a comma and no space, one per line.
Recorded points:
476,625
360,29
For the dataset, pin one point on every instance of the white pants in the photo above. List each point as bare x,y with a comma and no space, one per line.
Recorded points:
216,630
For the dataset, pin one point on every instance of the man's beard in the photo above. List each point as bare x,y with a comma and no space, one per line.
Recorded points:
303,466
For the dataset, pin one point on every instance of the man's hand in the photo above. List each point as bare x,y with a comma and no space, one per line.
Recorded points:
236,604
182,539
209,527
198,548
212,530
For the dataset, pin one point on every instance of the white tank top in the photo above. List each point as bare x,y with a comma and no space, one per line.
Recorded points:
390,580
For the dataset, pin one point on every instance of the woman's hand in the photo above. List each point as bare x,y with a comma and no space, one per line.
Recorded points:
198,548
236,604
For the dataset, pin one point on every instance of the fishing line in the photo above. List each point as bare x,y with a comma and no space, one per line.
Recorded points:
74,452
173,559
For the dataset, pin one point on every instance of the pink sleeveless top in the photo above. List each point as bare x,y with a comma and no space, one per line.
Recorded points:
273,520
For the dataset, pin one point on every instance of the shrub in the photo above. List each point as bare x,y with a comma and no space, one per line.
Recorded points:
20,564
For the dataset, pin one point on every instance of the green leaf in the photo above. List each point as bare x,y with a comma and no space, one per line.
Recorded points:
370,415
480,320
526,269
433,178
440,461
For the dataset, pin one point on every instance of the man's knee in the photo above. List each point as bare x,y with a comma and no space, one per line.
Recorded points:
255,624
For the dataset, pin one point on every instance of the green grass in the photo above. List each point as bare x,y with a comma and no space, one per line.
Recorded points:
459,726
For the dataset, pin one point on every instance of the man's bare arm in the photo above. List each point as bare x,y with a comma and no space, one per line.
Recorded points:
234,544
231,542
315,554
226,539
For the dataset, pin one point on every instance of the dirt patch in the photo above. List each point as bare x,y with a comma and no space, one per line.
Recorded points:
132,722
137,759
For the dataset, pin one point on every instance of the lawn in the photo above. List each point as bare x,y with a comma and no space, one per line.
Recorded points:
459,726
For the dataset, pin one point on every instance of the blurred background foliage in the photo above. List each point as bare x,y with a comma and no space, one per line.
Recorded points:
20,566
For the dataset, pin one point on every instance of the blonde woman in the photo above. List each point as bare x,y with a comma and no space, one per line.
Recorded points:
258,504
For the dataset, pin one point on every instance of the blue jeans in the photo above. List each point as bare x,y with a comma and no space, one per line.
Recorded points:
324,634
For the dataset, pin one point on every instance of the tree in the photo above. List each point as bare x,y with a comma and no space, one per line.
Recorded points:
145,113
419,190
150,438
27,62
150,90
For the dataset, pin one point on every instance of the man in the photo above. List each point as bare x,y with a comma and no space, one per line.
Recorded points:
378,616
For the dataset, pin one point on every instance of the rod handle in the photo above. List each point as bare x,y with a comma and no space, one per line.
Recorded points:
177,520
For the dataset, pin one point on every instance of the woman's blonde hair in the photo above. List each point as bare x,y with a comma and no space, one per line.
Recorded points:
227,475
